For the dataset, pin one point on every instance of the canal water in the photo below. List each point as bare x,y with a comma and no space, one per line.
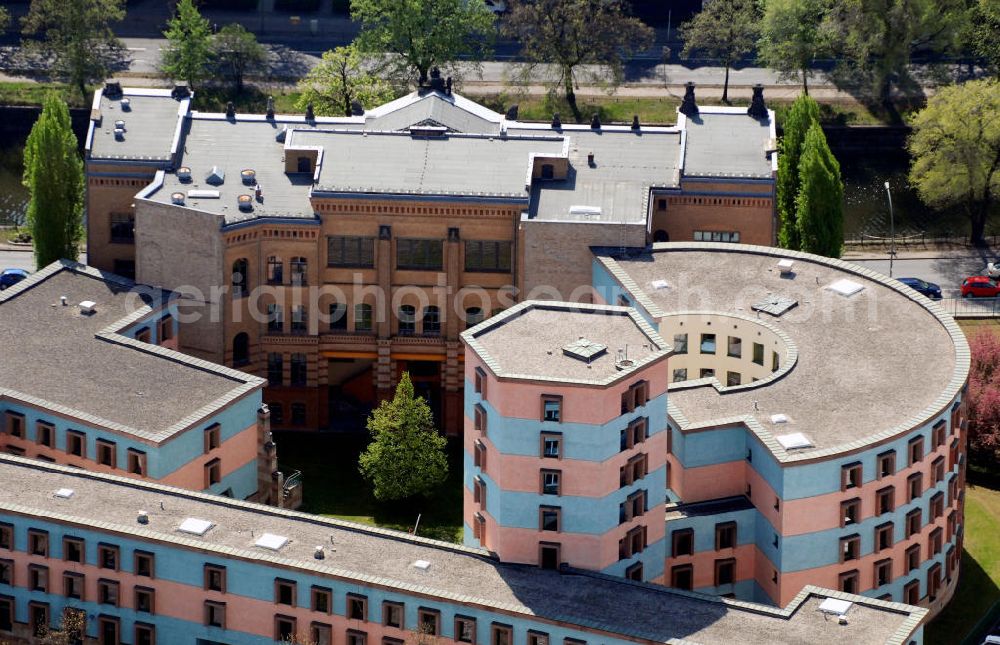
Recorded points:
13,194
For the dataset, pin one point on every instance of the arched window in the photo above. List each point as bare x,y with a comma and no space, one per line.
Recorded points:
275,270
407,319
432,321
241,349
240,278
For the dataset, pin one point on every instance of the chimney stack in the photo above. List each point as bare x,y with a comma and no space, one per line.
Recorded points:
595,122
230,110
688,106
758,109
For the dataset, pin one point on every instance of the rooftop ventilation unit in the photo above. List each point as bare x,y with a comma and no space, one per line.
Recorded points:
585,211
794,440
584,350
659,284
319,553
779,418
216,176
126,104
245,202
195,526
835,606
249,176
785,266
184,174
774,305
119,134
845,287
282,135
64,493
423,565
203,194
142,517
177,198
120,124
271,541
87,307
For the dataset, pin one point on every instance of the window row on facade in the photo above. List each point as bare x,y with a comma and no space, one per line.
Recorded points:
708,345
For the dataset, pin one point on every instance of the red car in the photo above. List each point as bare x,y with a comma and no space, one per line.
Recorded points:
980,286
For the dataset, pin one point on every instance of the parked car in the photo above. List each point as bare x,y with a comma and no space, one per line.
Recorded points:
980,286
928,289
993,269
10,277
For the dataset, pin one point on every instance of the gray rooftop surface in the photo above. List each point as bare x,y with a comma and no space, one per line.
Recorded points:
726,144
527,341
150,125
867,364
54,354
384,558
434,108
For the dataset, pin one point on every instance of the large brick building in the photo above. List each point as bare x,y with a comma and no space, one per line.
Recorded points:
366,244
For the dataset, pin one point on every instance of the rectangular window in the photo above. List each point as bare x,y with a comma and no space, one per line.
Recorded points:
911,592
913,522
145,634
76,443
758,354
38,578
6,536
284,592
7,572
550,482
850,476
537,638
107,592
915,449
933,581
275,319
355,637
706,372
45,434
551,445
106,453
144,599
38,542
683,542
883,572
850,548
300,319
883,536
321,633
362,318
392,614
74,585
215,614
136,462
144,564
122,228
275,368
213,472
708,343
914,486
682,577
680,343
108,630
428,621
549,518
488,255
912,557
937,470
850,512
680,374
937,506
321,599
849,581
107,556
480,379
725,535
725,572
938,433
73,549
419,254
886,464
465,629
935,542
479,492
479,419
734,347
479,454
551,408
300,370
357,607
885,500
358,252
300,271
6,613
501,634
215,578
733,378
166,327
213,437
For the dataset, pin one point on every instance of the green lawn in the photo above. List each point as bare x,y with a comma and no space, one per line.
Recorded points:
333,487
979,585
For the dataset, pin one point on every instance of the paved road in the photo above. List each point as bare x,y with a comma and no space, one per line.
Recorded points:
945,271
23,260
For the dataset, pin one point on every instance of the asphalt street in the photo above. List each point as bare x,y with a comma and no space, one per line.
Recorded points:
948,272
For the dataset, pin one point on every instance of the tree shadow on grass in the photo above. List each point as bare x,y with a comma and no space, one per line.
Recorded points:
975,595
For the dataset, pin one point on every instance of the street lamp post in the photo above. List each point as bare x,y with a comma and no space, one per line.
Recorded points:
892,230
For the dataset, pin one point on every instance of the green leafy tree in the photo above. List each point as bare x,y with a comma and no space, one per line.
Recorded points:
955,148
790,37
53,174
820,202
725,30
418,35
189,49
985,33
803,113
342,77
407,455
876,40
76,36
576,35
237,51
4,19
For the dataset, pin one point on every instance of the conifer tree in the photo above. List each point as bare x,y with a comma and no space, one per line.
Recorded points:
407,455
803,113
819,204
53,174
189,51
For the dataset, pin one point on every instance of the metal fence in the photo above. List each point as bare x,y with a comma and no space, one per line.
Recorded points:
971,307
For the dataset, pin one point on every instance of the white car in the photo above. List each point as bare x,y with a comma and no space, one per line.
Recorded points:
993,269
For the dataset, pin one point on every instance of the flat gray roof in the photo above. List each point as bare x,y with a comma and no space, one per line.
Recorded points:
382,558
726,142
150,125
76,364
527,341
869,366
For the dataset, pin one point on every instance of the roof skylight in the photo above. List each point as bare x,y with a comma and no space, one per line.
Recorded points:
584,350
194,526
774,305
271,541
794,440
845,287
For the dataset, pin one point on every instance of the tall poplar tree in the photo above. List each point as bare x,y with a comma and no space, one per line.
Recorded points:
819,204
53,174
189,51
803,113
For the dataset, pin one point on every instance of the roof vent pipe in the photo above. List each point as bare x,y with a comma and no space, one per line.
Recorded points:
177,198
62,300
319,553
119,134
270,108
126,104
184,174
688,106
142,517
